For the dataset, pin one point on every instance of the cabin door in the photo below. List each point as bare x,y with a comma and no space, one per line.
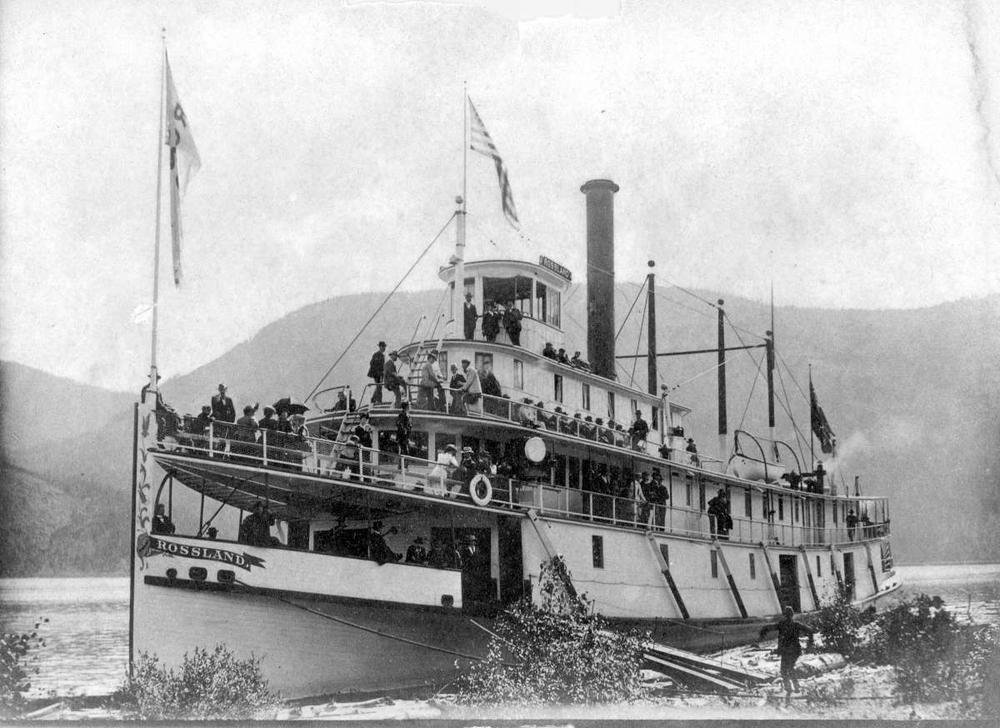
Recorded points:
509,552
849,575
788,566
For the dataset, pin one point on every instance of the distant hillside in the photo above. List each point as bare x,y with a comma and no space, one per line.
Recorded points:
38,407
914,397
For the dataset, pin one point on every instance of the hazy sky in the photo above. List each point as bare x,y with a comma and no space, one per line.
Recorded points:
846,150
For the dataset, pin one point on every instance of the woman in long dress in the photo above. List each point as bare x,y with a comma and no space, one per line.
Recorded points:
436,478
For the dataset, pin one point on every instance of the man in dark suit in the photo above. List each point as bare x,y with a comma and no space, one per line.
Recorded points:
469,316
222,406
376,370
391,377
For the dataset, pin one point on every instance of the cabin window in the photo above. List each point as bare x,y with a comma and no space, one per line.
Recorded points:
597,546
654,418
781,508
557,387
574,472
753,567
819,567
514,291
555,308
834,514
795,510
560,467
748,503
547,304
418,445
701,496
469,287
715,563
442,440
483,360
611,405
585,396
688,489
518,374
635,409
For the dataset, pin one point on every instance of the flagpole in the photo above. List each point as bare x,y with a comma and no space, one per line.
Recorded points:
458,295
812,396
160,137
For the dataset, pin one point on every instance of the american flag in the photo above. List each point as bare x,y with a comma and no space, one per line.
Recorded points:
480,141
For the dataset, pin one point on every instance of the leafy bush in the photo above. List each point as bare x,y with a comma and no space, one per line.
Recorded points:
210,685
16,668
841,625
556,652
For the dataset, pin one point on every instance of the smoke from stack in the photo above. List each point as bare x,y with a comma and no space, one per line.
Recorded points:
601,275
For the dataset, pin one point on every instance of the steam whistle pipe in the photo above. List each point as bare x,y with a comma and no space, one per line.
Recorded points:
723,428
651,330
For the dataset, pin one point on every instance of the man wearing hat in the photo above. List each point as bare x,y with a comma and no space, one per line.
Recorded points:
429,381
472,389
268,423
416,553
693,449
203,421
350,457
469,316
222,406
376,370
391,379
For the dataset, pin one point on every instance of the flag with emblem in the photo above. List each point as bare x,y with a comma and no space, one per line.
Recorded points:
184,164
820,427
480,141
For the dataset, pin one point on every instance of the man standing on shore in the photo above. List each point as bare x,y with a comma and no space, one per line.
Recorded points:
789,648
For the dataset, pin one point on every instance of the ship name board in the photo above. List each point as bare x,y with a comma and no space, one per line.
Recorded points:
555,267
155,545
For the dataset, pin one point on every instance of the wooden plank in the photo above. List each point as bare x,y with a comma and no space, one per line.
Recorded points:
693,660
729,578
689,673
665,570
775,584
871,567
809,577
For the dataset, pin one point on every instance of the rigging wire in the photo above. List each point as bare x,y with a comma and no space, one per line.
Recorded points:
787,406
746,408
796,382
630,308
638,340
381,306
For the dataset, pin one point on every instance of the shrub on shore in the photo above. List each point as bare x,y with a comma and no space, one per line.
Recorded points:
556,652
16,669
207,685
934,657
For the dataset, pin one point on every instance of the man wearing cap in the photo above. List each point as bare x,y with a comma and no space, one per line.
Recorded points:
391,379
469,316
376,370
472,389
222,406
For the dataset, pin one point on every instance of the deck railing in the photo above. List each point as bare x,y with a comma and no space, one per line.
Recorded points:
329,459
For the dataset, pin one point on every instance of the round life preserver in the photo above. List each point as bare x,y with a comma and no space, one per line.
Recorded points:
481,490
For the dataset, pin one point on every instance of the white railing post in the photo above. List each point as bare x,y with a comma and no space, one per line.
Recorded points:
211,439
263,440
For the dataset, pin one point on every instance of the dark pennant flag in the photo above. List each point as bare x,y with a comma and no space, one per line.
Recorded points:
820,427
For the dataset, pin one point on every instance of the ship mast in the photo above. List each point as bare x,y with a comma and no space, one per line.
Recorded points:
769,341
723,427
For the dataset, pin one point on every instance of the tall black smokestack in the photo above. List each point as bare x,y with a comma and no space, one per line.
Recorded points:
601,275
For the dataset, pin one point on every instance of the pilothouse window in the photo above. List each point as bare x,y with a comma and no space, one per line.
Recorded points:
507,291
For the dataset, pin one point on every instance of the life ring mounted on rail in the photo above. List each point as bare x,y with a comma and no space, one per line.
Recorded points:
481,490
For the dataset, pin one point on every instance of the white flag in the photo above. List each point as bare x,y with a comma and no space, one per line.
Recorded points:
184,163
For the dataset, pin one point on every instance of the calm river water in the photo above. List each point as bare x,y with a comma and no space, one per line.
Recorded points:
86,650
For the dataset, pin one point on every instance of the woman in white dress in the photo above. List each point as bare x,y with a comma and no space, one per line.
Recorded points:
436,478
